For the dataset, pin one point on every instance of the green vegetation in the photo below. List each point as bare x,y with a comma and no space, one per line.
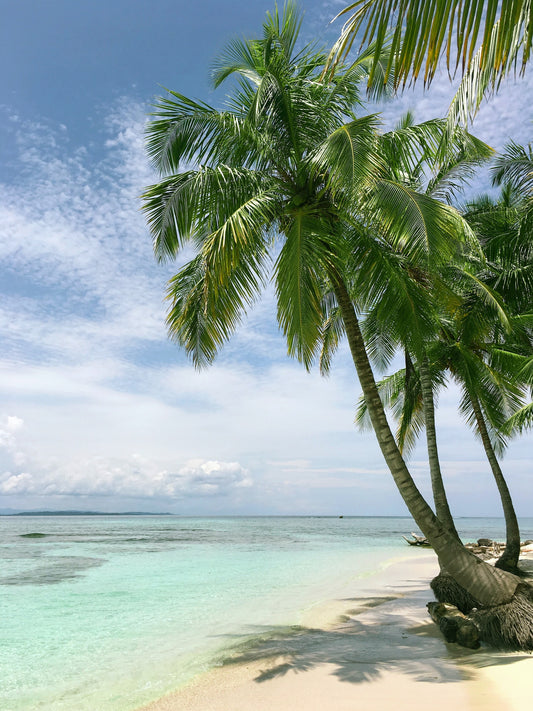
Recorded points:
485,39
293,181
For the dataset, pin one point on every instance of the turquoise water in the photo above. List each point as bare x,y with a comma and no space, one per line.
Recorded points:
107,613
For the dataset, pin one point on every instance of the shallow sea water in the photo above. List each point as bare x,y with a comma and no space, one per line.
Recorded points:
106,613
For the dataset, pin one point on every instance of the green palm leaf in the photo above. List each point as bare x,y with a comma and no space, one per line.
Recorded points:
418,225
299,270
349,156
424,30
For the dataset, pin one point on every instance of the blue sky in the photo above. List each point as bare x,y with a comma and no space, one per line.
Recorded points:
97,409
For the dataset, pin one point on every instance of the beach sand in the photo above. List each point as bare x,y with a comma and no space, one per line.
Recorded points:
376,651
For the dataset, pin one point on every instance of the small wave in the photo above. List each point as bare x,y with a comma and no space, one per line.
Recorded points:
33,535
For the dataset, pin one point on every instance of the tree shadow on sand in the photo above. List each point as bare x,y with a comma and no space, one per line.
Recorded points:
378,636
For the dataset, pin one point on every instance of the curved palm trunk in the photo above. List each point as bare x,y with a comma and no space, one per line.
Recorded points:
442,507
486,584
509,558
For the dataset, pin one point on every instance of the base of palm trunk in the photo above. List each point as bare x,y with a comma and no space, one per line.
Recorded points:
508,626
446,589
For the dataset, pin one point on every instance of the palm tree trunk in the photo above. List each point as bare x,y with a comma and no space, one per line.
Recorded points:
442,508
509,558
488,585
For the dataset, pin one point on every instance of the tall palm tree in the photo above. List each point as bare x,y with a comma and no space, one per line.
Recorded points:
289,174
486,397
504,229
439,171
492,365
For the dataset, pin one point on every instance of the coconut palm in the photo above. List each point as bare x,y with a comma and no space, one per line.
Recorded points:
439,171
286,181
486,399
504,229
492,365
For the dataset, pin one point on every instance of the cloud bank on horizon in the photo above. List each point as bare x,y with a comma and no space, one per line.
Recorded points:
99,410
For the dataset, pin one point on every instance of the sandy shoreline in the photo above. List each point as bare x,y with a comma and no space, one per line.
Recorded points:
377,650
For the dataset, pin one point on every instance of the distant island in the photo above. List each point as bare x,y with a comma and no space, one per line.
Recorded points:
88,513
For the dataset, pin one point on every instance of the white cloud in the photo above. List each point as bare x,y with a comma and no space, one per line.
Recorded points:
13,423
8,428
29,471
135,477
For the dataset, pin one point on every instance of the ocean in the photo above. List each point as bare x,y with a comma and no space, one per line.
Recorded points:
106,613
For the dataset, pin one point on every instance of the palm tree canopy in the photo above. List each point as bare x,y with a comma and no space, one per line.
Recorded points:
420,32
288,159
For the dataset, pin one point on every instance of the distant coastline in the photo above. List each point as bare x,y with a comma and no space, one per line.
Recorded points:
88,513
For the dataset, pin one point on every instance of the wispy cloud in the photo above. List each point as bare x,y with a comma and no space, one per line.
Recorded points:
73,242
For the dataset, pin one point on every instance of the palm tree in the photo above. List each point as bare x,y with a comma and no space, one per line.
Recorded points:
504,229
441,174
421,32
288,174
486,397
492,365
438,169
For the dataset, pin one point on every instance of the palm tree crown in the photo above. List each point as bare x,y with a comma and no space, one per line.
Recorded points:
287,156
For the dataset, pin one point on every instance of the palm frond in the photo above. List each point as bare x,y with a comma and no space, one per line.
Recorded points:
298,271
184,131
349,156
514,166
202,202
482,77
171,207
208,296
423,31
242,57
521,420
421,227
381,340
448,157
332,332
490,298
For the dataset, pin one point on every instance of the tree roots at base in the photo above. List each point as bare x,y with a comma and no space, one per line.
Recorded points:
447,590
507,626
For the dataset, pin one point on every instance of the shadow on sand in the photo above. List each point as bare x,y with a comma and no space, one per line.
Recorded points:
379,635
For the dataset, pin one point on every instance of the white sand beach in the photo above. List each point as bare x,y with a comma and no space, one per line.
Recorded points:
377,650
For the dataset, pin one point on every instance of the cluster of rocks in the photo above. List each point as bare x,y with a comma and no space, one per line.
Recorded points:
486,548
